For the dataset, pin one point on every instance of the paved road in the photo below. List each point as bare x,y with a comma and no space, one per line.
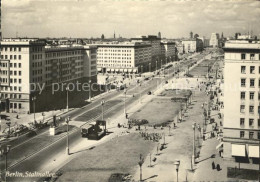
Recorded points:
53,144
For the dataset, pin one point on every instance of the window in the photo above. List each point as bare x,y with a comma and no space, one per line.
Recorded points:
251,122
243,56
252,69
251,109
251,135
251,96
258,122
243,69
19,57
242,134
258,135
242,121
252,82
242,108
252,56
242,95
243,82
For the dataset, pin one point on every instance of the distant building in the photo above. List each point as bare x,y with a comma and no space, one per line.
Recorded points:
192,45
180,47
159,35
127,57
102,37
241,129
205,41
168,48
191,35
214,40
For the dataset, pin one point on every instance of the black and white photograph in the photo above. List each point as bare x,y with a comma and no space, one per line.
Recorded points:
129,90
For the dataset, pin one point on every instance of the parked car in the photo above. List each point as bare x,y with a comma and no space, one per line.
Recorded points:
149,93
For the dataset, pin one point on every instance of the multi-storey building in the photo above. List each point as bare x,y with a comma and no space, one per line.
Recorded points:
214,40
192,45
127,57
205,41
28,64
241,129
169,50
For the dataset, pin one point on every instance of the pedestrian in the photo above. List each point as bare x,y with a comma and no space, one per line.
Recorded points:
218,167
213,165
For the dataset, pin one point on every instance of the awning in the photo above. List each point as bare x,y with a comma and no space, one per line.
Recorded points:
219,145
116,69
130,70
253,151
125,70
135,70
121,70
112,69
99,69
238,150
108,69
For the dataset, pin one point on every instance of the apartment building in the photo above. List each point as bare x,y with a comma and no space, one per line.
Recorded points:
192,45
169,49
241,129
126,57
214,40
28,64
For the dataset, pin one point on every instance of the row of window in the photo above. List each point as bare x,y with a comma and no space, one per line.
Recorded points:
251,109
252,56
251,122
5,48
5,72
115,65
252,69
251,135
251,95
11,57
11,96
113,50
59,54
251,82
5,65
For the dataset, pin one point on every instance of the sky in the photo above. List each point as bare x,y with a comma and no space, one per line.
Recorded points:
128,18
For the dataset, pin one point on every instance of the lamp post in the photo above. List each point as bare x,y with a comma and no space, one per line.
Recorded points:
67,148
124,101
67,89
34,99
8,124
156,64
140,163
141,68
177,164
161,63
102,105
149,67
5,151
193,153
89,90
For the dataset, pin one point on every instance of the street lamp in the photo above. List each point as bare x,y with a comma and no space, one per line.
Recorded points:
141,68
140,163
149,67
161,63
102,105
67,89
4,151
34,99
67,148
193,155
9,125
177,164
89,90
156,64
124,101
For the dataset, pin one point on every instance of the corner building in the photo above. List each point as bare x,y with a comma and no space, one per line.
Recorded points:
27,64
241,126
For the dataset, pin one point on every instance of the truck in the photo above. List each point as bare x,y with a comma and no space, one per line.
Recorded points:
95,130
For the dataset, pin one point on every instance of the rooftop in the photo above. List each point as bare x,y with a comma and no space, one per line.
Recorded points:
243,44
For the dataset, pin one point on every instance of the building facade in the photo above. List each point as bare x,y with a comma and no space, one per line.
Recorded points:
192,45
241,127
127,57
28,65
214,40
169,50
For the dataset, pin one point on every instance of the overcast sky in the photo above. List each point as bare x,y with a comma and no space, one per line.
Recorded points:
129,18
